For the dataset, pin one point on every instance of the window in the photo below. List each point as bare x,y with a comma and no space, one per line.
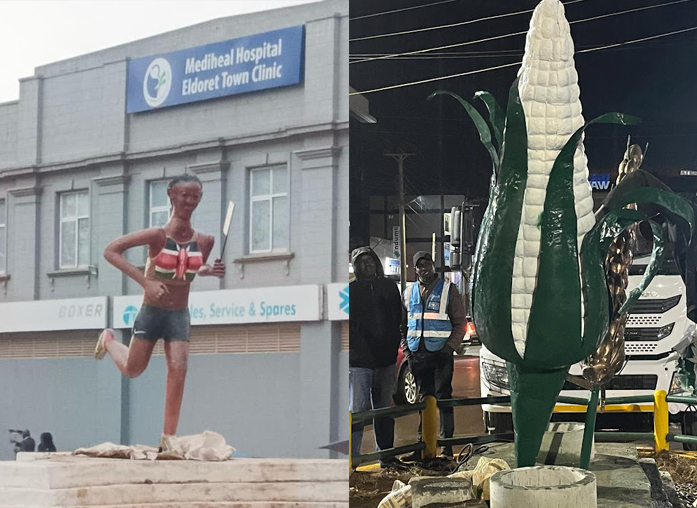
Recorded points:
3,236
74,229
159,203
268,216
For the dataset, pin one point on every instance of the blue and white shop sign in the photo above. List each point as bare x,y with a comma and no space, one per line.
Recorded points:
258,62
236,306
50,315
338,301
599,181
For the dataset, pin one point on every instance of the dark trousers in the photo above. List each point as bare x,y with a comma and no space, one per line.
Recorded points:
433,373
372,389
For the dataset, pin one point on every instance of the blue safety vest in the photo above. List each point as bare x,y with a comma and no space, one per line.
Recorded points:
432,323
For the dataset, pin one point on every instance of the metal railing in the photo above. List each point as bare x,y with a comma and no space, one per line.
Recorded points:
429,408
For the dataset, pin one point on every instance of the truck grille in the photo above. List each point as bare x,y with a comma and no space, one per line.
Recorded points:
655,306
625,382
643,320
639,347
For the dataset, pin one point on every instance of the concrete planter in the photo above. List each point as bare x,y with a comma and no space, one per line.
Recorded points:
561,444
544,487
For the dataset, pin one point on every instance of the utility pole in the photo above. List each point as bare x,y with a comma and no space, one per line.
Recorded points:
399,157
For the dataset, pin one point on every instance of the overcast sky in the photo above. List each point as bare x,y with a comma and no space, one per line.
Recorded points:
37,32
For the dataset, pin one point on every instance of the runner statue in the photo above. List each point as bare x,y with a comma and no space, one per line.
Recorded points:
176,254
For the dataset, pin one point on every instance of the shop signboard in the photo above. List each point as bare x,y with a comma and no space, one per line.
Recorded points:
392,266
396,244
236,306
247,64
599,181
338,301
49,315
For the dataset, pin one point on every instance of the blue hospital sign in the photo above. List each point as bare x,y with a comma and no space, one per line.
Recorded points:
258,62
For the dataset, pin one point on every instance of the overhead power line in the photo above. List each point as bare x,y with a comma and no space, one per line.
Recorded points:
463,55
630,10
638,40
452,25
428,50
477,71
402,10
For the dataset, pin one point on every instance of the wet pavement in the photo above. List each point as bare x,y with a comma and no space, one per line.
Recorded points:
468,420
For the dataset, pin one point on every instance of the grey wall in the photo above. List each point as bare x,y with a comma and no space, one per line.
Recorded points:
244,397
8,132
76,399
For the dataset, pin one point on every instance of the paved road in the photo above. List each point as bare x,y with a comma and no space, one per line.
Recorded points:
468,420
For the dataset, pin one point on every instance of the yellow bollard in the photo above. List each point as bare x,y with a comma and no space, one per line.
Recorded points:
429,427
660,420
350,434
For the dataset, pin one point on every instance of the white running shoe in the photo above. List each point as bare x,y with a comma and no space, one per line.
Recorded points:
100,349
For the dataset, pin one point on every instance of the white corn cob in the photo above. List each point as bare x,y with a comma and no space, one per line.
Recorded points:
548,87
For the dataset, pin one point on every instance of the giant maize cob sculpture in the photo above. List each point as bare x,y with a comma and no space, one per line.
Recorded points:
538,290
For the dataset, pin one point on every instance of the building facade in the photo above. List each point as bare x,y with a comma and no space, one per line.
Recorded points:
256,107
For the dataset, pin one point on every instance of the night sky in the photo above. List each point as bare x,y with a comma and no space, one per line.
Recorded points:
655,80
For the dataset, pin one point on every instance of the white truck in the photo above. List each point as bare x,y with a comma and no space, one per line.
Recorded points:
656,324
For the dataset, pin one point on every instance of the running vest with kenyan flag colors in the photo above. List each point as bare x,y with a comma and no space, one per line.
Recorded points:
431,323
178,261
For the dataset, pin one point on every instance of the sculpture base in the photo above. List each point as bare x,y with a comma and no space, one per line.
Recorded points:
544,487
60,479
561,444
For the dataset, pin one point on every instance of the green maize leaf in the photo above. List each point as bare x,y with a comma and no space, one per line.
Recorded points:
672,206
682,218
479,123
484,226
493,268
496,116
638,178
655,261
554,331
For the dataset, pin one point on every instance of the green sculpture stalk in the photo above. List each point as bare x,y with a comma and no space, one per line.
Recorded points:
533,395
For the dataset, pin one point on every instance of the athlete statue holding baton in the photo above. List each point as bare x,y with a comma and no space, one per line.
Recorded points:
176,254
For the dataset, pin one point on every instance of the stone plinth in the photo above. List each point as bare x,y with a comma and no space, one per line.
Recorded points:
62,480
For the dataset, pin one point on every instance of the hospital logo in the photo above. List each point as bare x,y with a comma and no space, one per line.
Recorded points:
129,315
157,82
344,304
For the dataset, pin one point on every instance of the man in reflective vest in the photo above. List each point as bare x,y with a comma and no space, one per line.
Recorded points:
434,328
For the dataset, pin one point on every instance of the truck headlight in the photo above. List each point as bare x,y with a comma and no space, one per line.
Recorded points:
496,375
678,384
664,331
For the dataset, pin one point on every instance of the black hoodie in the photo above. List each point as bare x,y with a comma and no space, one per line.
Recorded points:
375,317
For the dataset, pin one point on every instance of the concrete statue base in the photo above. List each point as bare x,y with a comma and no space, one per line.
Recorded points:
60,479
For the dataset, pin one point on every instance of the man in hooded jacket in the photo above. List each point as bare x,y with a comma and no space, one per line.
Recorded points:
432,329
374,337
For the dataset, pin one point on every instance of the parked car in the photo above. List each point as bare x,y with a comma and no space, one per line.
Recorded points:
405,387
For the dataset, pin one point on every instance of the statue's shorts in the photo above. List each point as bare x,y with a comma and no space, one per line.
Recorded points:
153,323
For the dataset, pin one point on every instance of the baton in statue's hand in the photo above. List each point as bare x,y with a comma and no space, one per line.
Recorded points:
226,226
